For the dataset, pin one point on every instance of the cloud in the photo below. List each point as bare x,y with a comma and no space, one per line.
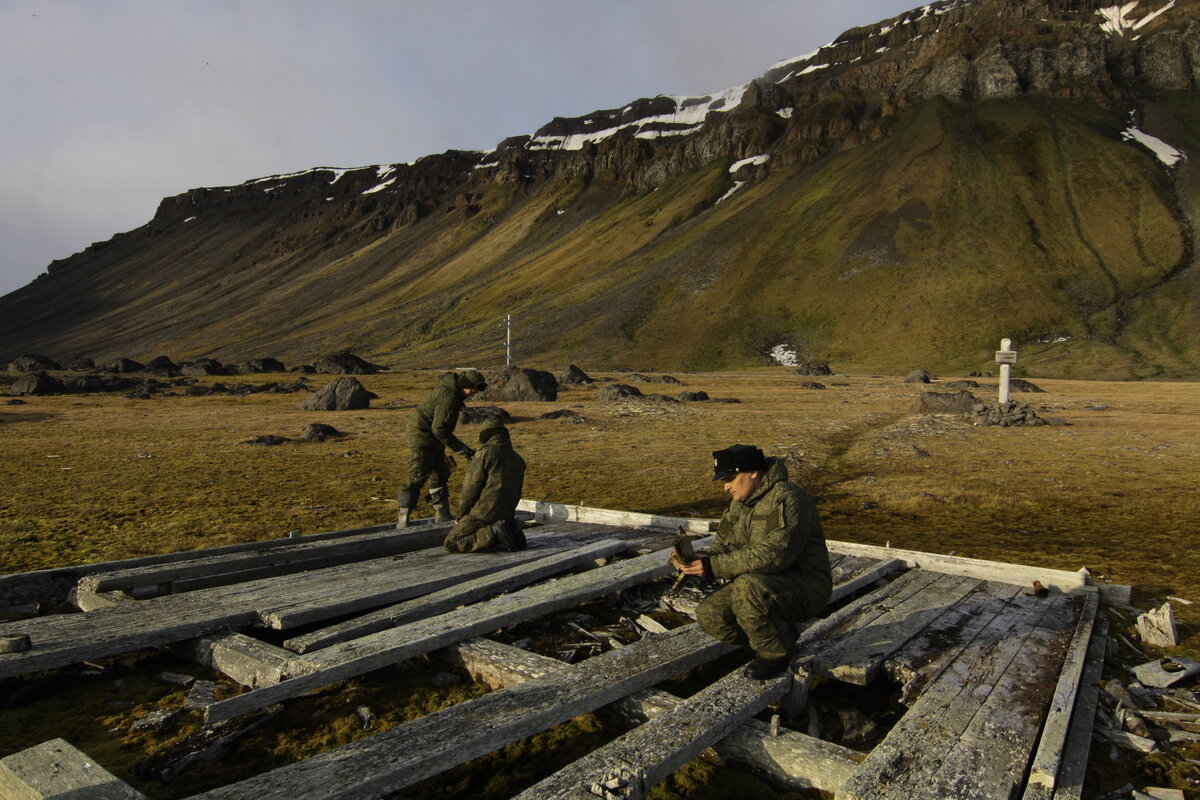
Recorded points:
112,106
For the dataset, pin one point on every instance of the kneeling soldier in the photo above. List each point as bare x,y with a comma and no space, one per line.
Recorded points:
770,551
490,493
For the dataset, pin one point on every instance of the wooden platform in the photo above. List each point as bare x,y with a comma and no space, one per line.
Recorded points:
989,670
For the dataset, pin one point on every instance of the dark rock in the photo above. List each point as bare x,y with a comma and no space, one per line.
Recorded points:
513,384
269,439
16,401
975,374
139,394
574,376
344,362
637,376
202,366
962,385
305,369
240,389
659,398
723,400
162,365
79,364
837,383
617,391
960,402
81,384
812,368
124,365
37,383
343,394
32,363
564,414
263,365
1022,385
811,385
692,397
319,432
475,415
1006,415
220,387
920,376
920,453
199,390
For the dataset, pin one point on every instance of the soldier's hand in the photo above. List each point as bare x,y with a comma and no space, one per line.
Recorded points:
467,453
693,568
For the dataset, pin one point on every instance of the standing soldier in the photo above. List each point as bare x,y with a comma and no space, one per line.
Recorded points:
490,493
770,552
430,431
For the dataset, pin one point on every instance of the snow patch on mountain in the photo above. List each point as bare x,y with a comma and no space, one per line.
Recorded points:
1119,20
1163,152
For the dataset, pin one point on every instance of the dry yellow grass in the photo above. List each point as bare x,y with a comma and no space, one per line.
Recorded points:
89,478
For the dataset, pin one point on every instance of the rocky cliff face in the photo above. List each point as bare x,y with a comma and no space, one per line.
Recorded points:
269,236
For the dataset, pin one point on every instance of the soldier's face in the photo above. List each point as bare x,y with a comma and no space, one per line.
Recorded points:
470,391
743,484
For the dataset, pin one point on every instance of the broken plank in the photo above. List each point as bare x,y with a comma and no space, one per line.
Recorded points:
904,763
646,756
56,770
389,761
848,579
1043,770
462,593
376,650
248,661
857,657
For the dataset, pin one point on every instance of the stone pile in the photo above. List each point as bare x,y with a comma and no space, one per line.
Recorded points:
1005,415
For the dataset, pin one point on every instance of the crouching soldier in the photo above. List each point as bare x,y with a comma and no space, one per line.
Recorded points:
430,431
490,493
770,552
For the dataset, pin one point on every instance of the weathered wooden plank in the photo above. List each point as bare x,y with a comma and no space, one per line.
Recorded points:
848,579
389,761
1068,784
56,770
946,726
857,657
348,659
297,556
789,758
462,593
249,661
650,753
1017,574
1043,770
923,658
626,519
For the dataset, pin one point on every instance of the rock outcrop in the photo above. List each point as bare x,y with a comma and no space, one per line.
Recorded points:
343,394
513,384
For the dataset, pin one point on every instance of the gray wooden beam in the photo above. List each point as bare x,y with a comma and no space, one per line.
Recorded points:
56,770
389,761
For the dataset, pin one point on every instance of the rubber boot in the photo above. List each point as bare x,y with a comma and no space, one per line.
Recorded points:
405,500
509,535
440,500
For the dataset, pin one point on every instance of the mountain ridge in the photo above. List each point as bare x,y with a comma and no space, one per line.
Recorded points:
974,134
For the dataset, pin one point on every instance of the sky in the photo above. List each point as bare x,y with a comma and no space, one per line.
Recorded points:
107,106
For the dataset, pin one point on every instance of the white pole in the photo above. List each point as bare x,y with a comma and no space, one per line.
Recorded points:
1005,369
508,339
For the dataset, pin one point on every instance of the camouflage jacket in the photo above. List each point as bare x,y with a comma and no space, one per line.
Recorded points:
492,486
434,419
775,530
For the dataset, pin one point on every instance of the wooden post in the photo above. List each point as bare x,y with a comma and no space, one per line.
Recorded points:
1005,357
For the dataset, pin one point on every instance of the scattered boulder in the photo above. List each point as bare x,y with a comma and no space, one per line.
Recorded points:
692,397
636,376
617,391
32,363
79,364
305,369
344,362
319,432
199,390
919,375
267,440
263,365
1005,415
342,394
811,385
514,384
813,368
37,383
564,414
659,398
124,365
723,400
141,393
81,384
202,366
15,401
162,365
960,402
574,376
476,415
962,385
1022,385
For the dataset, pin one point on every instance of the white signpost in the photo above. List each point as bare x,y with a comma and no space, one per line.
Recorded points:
1005,357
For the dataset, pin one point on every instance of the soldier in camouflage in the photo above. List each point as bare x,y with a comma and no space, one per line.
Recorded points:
770,552
491,490
430,432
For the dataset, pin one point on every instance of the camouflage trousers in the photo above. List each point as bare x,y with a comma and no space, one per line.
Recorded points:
426,460
760,612
470,535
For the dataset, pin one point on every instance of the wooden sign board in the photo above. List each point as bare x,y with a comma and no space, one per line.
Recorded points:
1006,356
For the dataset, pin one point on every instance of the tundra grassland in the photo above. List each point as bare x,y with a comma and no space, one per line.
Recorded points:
1115,489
